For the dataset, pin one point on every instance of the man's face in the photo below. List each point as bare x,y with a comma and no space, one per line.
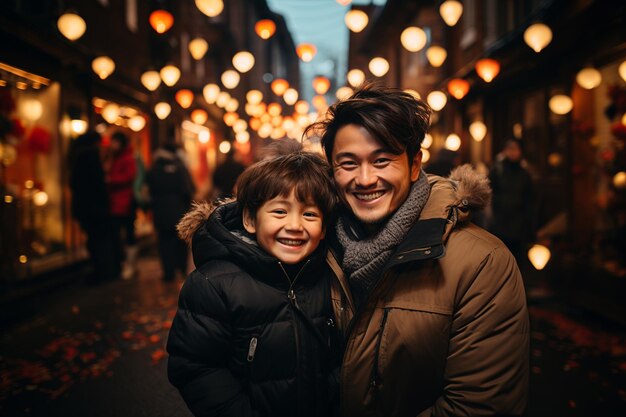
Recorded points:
371,180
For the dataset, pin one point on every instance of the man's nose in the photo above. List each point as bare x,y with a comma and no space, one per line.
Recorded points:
365,176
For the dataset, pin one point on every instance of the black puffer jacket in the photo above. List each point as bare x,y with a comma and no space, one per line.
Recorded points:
251,337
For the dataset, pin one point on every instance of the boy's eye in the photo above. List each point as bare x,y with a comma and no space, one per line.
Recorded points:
279,211
311,214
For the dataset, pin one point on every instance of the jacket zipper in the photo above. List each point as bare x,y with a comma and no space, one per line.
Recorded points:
252,348
375,376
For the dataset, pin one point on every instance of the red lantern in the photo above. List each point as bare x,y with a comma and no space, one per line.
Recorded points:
161,20
184,98
487,69
265,28
321,84
306,51
458,88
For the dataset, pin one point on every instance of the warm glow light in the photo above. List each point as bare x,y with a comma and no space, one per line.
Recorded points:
344,2
184,97
539,256
242,137
243,61
321,84
110,112
428,141
31,109
538,36
230,79
204,136
302,107
279,86
240,125
453,142
622,70
589,78
170,75
210,8
355,77
306,51
265,28
451,11
232,105
136,123
356,20
199,116
487,69
319,102
425,155
458,88
436,55
224,146
379,66
162,110
344,93
413,39
254,96
290,96
478,130
78,126
103,66
161,20
437,100
210,93
222,99
198,48
72,26
619,180
265,130
151,80
230,118
274,109
560,104
414,93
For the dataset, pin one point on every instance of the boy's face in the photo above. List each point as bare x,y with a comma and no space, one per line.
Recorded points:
286,228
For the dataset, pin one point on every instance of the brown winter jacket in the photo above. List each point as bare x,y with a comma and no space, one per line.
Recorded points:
445,331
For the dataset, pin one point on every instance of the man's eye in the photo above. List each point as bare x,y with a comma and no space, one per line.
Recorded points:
347,164
382,161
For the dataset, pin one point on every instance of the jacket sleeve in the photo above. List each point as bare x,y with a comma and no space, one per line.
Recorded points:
488,358
198,347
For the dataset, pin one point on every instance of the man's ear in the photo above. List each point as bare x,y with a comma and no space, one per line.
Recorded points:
248,222
416,166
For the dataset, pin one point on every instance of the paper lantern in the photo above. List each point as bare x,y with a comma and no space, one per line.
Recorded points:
162,110
355,77
170,75
224,146
321,84
279,86
274,109
222,99
72,26
110,112
538,36
230,79
428,141
210,8
478,130
30,109
487,69
136,123
301,107
210,93
230,118
451,11
378,66
151,80
242,137
243,61
184,97
344,93
232,104
453,142
436,100
436,55
290,96
199,116
413,39
198,48
254,96
240,125
103,66
458,88
306,51
539,256
161,20
356,20
589,78
265,28
560,104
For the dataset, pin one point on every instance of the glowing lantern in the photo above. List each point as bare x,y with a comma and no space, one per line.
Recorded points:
230,79
224,147
619,180
290,96
210,93
72,26
302,107
539,256
589,78
379,66
319,102
436,100
265,28
306,51
103,66
560,104
184,97
78,126
242,137
210,8
274,109
451,11
436,55
255,124
321,85
425,155
622,70
243,61
453,142
31,109
355,77
151,80
198,48
222,99
458,87
240,125
413,38
161,21
232,104
412,92
265,130
538,36
230,118
279,86
40,198
428,141
356,20
136,123
204,136
344,93
487,69
199,116
162,110
170,75
111,112
254,96
478,130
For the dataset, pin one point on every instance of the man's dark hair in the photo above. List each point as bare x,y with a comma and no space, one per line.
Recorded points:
395,118
306,173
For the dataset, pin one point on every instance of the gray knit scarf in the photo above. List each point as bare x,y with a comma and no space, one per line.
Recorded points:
364,259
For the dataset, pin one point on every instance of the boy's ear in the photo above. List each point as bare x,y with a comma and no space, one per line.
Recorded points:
248,222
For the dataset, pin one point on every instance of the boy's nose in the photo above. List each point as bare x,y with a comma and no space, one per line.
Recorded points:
294,222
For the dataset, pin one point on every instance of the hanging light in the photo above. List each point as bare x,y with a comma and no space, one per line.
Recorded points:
151,80
222,99
72,26
110,112
437,100
240,125
230,118
78,126
451,11
487,69
622,70
265,28
321,84
204,136
538,36
428,141
589,78
199,116
453,142
210,93
162,110
355,77
136,123
170,75
198,48
184,97
40,198
301,107
306,51
255,124
413,39
242,137
560,104
344,93
356,20
619,180
31,109
478,130
224,146
379,66
290,96
161,20
425,155
274,109
458,88
279,86
103,66
243,61
254,96
436,55
319,102
414,93
230,79
539,256
232,104
210,8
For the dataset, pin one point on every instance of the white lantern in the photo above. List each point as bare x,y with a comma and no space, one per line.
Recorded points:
243,61
436,55
232,105
103,66
451,11
453,142
538,36
170,75
589,78
210,8
198,48
379,66
210,93
230,79
355,77
428,141
224,146
539,256
151,80
356,20
162,110
242,137
290,96
72,26
254,97
478,130
136,123
204,136
78,126
561,104
111,112
437,100
413,38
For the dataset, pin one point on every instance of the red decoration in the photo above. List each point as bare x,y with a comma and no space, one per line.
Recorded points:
17,128
39,139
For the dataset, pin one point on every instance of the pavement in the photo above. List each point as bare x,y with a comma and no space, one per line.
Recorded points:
99,351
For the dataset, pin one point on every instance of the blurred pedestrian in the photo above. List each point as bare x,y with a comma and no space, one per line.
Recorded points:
225,176
90,204
443,163
171,192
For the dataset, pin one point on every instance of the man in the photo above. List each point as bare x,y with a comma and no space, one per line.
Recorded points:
433,307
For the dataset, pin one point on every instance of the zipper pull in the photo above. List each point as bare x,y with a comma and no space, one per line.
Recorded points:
252,348
292,297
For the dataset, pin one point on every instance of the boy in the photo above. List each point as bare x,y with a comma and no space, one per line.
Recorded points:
253,331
